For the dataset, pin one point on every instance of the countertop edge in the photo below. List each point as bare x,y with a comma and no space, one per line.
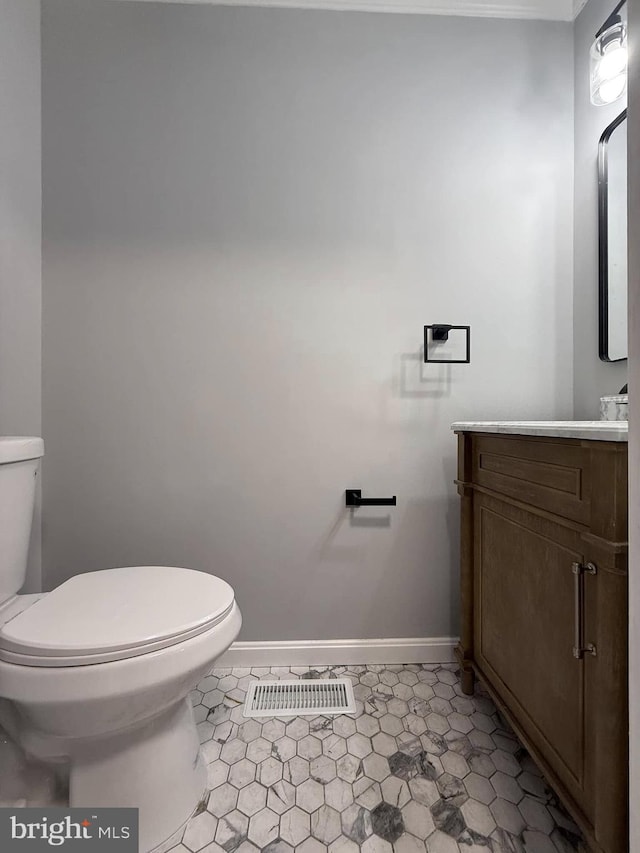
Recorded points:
586,430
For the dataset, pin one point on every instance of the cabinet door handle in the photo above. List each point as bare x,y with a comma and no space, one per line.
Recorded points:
579,647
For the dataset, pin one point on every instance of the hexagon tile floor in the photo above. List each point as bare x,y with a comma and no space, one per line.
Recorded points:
419,768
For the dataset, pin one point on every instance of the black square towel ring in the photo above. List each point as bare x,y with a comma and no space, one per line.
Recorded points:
440,334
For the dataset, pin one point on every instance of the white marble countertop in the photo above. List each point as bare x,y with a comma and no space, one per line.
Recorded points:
596,430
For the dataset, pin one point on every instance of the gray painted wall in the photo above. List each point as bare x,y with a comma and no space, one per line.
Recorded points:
20,234
249,215
592,378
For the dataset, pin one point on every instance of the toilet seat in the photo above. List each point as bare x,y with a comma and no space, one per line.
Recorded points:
115,614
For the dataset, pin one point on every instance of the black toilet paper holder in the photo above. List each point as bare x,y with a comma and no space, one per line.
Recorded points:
353,498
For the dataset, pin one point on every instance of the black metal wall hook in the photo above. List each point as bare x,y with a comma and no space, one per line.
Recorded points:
353,498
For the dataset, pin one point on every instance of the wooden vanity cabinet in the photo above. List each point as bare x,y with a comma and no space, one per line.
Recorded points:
544,610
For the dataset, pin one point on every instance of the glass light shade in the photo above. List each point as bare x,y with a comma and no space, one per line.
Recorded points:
608,65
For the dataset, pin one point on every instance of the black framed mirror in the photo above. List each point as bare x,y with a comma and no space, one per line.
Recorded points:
612,224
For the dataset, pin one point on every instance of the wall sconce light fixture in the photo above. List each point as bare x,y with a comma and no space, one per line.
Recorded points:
608,60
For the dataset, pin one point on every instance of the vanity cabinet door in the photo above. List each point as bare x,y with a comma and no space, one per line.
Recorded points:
531,508
524,600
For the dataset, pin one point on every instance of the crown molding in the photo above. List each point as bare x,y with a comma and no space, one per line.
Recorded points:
547,10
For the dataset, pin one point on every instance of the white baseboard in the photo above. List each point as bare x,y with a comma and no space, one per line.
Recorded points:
320,652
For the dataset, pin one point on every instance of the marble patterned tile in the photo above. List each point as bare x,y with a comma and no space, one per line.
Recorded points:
264,827
281,796
310,795
251,799
240,774
269,771
356,823
420,768
231,831
325,824
296,770
200,831
322,769
295,826
311,845
343,845
387,822
477,817
367,792
338,794
222,800
418,820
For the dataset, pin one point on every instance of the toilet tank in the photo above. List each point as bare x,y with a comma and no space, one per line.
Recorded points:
19,460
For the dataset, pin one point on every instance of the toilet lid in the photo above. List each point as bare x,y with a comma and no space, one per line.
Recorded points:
117,613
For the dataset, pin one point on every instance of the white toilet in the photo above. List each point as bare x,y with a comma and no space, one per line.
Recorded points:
98,671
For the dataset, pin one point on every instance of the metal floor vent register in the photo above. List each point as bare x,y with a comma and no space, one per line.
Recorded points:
307,696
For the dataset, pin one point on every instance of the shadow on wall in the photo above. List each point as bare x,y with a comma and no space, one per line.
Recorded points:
413,545
327,548
411,567
412,381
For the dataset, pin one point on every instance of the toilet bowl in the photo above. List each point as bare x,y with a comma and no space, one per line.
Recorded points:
97,672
